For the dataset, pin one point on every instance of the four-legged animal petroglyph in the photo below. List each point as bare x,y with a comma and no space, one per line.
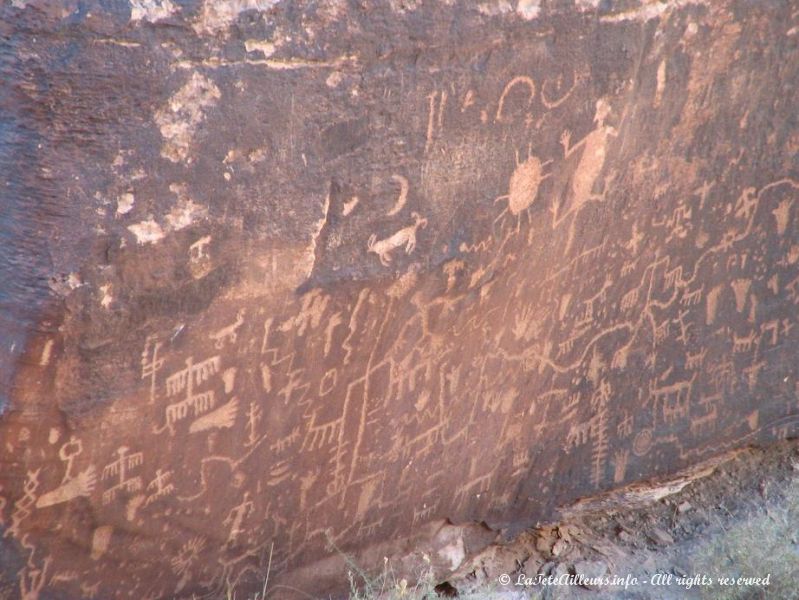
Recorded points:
404,237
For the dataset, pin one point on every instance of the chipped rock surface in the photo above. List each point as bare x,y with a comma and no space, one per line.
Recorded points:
303,280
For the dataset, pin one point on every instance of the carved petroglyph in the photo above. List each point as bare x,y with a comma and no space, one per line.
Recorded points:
589,167
151,363
519,81
403,195
632,297
71,485
404,237
523,186
556,88
119,469
23,507
741,288
673,400
712,304
186,379
222,417
235,519
229,333
160,486
200,257
781,215
33,578
435,117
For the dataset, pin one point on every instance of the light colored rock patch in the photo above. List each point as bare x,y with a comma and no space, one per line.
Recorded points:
147,232
217,15
528,9
401,6
647,11
497,7
184,213
125,204
45,358
151,10
185,111
453,553
264,46
107,298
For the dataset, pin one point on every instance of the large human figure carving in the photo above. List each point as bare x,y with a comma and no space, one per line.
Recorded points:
592,160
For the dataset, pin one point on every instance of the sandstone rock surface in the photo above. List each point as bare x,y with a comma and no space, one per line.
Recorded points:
314,278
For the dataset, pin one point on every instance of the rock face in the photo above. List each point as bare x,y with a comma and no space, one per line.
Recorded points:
306,279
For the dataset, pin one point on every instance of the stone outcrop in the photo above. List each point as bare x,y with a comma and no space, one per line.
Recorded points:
284,281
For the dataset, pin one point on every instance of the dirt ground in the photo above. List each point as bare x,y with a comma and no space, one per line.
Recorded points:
692,537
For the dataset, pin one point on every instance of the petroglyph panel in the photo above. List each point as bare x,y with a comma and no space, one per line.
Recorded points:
271,284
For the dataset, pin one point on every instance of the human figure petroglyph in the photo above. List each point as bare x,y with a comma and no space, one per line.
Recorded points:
404,237
589,167
160,486
254,416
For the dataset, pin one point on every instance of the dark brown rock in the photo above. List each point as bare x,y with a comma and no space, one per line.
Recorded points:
307,280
